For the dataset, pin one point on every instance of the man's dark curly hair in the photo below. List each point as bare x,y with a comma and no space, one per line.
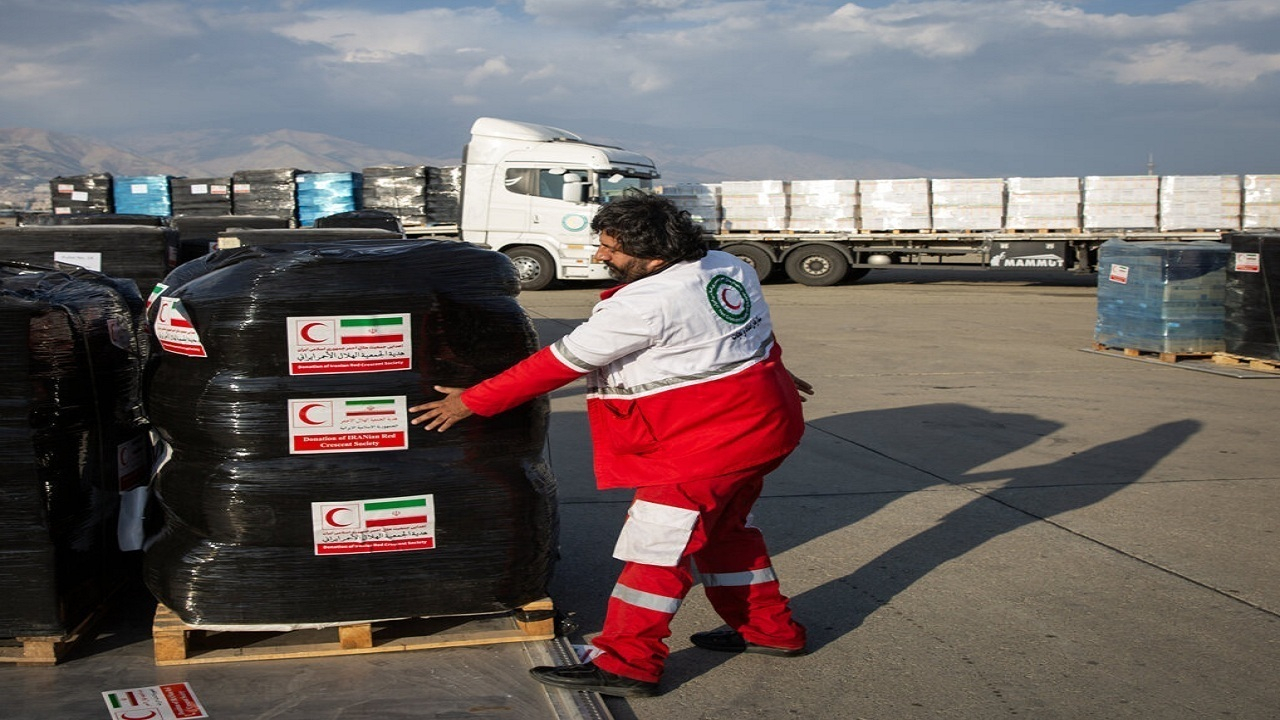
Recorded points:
651,226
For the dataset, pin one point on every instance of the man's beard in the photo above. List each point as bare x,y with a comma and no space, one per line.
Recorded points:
632,271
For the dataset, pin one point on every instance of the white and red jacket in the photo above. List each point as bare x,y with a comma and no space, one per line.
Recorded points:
684,381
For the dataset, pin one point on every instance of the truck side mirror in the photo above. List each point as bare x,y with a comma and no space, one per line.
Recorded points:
574,189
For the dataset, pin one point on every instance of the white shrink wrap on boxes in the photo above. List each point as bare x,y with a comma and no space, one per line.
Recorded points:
824,205
1199,202
895,204
968,204
1261,202
700,200
1121,202
755,204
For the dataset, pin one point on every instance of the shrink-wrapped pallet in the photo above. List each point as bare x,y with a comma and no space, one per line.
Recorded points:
824,205
1164,297
700,200
895,204
142,195
324,194
207,196
1252,323
754,205
417,195
134,252
1199,202
197,234
295,491
444,195
1043,203
75,194
72,441
265,192
1121,202
1261,202
968,203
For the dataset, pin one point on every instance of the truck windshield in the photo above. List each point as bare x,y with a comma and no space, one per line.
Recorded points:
612,186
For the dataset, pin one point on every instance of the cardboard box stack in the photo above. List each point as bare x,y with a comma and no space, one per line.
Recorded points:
895,204
1200,202
206,197
1261,202
824,205
755,204
968,204
1043,203
700,200
76,194
1121,202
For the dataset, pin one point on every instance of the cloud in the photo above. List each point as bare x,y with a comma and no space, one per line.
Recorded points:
1172,62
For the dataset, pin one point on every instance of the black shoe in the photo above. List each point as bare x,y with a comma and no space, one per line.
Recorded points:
727,640
590,678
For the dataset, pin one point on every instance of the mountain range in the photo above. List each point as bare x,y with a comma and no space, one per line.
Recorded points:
30,158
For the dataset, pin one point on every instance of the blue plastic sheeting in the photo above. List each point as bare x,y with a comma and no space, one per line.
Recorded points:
142,195
1162,296
323,194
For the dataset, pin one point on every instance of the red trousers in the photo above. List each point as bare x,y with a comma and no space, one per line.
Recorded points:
706,522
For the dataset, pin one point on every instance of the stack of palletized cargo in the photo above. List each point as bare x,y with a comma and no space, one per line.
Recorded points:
324,194
754,205
400,190
137,252
1252,325
297,492
1121,202
895,204
1199,202
824,205
265,192
700,200
1162,297
142,195
196,234
1261,202
75,194
73,442
968,203
206,197
443,194
1043,203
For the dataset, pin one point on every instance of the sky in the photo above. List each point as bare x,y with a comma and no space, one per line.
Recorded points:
1001,88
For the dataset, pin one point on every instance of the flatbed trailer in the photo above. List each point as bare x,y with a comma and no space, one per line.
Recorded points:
821,259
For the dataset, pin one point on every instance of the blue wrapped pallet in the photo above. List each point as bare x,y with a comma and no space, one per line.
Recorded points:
1164,297
324,194
142,195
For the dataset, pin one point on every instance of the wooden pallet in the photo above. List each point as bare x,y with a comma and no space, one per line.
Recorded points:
177,643
52,649
1168,357
1258,364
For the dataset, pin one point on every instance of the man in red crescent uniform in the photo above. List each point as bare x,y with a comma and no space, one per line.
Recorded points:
689,403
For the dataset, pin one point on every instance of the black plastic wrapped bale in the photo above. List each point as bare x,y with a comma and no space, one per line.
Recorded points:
444,192
197,234
295,492
72,194
369,219
208,196
99,219
1164,297
135,252
265,192
247,237
399,190
72,439
1252,324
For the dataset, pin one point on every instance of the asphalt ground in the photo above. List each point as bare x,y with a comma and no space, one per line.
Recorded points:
982,520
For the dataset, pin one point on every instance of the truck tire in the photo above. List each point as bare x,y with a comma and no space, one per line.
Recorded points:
534,267
756,257
816,265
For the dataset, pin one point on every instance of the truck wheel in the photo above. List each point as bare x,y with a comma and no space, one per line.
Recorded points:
816,265
756,257
534,267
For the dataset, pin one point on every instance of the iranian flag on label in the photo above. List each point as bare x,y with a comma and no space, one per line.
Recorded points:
395,524
320,345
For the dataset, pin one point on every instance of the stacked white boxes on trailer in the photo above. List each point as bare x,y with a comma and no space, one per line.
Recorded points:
1043,203
1261,202
824,205
968,204
700,200
755,204
1199,202
895,204
1121,202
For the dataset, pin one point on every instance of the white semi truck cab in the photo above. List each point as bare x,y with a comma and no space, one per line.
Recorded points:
530,191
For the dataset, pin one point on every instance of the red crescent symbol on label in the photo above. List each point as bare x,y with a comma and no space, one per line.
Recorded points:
162,315
302,414
126,716
305,332
330,517
724,298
